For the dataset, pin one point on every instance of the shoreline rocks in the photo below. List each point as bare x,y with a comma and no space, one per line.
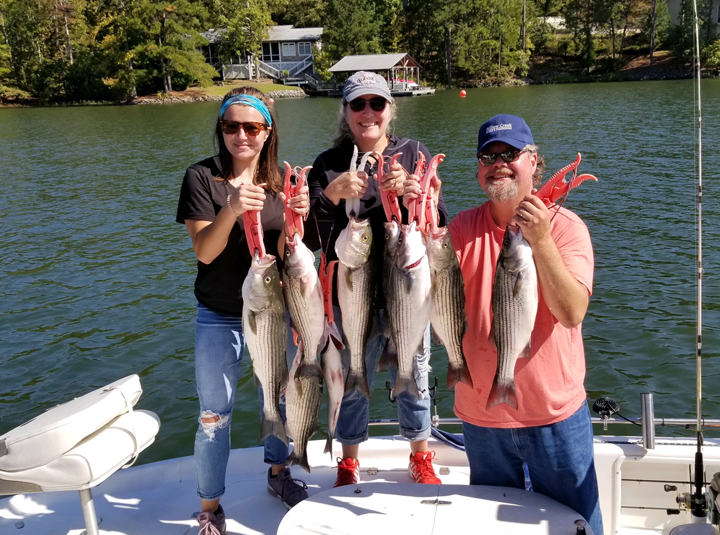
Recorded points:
181,99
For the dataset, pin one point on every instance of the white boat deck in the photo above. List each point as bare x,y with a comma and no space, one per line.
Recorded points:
160,498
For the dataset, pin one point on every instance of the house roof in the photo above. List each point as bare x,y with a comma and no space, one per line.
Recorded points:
288,33
276,33
373,62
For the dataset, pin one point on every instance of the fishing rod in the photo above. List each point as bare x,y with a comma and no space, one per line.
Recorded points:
698,507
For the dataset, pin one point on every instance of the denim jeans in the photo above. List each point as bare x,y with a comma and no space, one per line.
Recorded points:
413,414
559,459
219,346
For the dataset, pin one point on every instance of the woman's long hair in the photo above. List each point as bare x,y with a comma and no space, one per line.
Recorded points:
267,171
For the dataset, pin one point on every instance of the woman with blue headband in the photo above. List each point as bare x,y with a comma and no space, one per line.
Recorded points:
244,175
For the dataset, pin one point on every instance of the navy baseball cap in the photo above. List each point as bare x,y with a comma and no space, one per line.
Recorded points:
509,129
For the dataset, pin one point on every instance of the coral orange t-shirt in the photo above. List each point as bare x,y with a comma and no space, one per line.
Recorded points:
549,385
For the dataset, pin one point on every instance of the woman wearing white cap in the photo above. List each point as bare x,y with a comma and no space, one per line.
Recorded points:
366,113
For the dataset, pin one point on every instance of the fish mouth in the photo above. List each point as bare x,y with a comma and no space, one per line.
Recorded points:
414,264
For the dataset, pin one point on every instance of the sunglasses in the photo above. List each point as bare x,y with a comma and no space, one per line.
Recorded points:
250,129
507,156
376,104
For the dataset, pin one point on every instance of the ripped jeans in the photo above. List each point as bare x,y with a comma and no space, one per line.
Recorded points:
413,414
219,346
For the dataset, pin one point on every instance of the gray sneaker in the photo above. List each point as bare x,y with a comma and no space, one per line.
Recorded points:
212,523
290,491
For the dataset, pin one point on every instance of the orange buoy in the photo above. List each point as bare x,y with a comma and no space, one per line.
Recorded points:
463,93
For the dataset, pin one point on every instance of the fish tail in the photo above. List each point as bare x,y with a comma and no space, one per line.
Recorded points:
273,426
302,460
328,445
406,384
389,357
502,394
307,369
357,381
458,374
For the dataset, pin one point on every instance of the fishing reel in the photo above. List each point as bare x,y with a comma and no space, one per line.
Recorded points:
605,407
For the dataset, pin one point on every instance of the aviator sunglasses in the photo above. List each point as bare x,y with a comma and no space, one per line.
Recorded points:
250,129
507,156
376,104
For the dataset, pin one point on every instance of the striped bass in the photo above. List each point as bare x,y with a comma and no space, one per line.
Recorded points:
409,297
304,299
356,296
514,306
335,386
303,398
448,304
265,331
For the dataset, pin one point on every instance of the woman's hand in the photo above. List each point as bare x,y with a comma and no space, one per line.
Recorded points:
248,197
300,203
395,179
347,186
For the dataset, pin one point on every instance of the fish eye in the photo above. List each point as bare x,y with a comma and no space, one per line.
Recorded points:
365,238
268,280
446,245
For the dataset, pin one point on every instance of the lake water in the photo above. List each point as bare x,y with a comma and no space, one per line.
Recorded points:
97,277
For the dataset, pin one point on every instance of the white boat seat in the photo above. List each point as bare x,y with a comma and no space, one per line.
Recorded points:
78,445
46,437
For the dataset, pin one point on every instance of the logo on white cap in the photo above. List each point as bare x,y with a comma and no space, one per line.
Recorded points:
366,79
498,127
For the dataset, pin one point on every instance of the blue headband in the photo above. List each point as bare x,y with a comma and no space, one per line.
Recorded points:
247,100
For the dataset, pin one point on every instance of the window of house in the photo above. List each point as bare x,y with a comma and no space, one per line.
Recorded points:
305,49
271,52
288,49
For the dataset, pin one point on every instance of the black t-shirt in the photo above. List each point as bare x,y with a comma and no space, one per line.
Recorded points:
218,285
331,219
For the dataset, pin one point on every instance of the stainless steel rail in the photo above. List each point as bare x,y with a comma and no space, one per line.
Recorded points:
687,423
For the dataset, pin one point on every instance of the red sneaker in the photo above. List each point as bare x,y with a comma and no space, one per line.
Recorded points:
421,468
348,472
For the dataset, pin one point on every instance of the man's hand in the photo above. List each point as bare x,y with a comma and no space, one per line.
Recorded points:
533,218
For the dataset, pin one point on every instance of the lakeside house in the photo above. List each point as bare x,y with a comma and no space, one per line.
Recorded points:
287,57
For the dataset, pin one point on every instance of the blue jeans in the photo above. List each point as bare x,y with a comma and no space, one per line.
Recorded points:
413,414
559,458
219,347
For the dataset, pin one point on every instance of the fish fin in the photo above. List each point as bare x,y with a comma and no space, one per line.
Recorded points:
525,353
357,381
294,458
308,369
348,280
273,426
502,394
517,287
491,336
458,374
256,380
389,357
328,445
335,336
406,384
252,324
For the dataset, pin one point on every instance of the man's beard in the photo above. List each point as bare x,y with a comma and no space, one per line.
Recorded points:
501,191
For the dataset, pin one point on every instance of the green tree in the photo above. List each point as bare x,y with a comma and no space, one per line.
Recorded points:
244,24
299,13
351,29
170,49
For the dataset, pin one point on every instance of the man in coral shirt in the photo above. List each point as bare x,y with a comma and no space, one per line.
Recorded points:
547,442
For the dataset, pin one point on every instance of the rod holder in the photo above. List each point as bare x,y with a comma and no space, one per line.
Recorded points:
648,421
